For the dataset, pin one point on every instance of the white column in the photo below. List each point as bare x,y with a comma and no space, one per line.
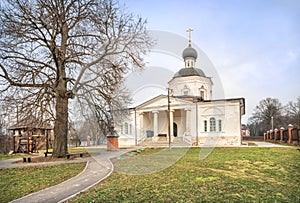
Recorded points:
155,123
141,124
188,122
171,123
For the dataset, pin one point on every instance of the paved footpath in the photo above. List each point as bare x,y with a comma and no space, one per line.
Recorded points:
265,144
98,168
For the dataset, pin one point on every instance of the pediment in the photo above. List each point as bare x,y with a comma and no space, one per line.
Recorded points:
161,101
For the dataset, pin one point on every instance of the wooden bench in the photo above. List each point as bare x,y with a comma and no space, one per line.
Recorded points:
74,155
46,153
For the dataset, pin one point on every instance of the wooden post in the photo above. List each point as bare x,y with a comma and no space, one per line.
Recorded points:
47,142
28,144
265,136
14,143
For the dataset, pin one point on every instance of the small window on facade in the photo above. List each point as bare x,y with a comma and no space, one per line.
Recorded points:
130,129
220,125
185,92
121,129
126,128
202,94
205,126
212,125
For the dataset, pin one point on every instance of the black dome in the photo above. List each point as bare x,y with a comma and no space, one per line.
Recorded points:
184,72
189,52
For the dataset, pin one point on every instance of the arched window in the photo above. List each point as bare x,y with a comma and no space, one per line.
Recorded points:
212,124
205,126
202,94
185,90
126,128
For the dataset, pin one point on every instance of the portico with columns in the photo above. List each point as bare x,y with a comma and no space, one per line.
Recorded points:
153,118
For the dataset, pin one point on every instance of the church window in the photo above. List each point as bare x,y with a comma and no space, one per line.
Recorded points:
212,124
126,128
202,94
121,129
130,129
220,125
185,90
205,126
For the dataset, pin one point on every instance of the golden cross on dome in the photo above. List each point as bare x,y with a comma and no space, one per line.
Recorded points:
190,35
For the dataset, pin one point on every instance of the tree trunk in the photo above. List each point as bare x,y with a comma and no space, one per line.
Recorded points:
60,148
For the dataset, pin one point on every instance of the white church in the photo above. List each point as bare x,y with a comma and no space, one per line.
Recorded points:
187,113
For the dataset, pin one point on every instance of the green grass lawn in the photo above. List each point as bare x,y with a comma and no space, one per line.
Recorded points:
226,175
10,156
18,182
70,150
19,155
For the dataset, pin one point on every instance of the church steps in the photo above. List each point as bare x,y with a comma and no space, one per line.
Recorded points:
163,142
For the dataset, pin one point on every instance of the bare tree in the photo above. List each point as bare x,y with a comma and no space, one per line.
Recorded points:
292,111
54,50
266,111
7,111
2,125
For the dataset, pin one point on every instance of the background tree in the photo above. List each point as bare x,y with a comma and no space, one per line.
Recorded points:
261,119
54,50
7,114
292,113
2,124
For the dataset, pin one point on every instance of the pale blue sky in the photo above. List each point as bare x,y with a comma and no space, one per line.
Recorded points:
253,44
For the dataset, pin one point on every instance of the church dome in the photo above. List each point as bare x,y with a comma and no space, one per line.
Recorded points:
189,52
184,72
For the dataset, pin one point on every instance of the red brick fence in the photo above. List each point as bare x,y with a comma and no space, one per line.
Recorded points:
290,135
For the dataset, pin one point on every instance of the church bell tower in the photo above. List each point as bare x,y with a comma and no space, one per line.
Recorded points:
190,82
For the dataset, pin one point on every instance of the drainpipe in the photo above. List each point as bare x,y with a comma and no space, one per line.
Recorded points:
135,128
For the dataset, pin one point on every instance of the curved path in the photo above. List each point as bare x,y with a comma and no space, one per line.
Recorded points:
98,168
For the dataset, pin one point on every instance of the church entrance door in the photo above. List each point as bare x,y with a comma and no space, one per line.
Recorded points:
175,129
